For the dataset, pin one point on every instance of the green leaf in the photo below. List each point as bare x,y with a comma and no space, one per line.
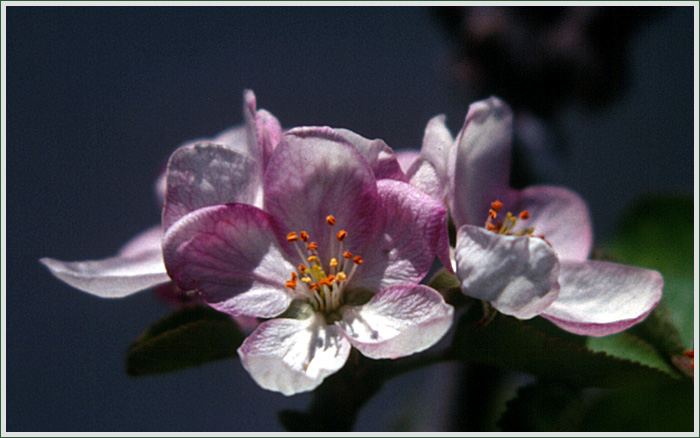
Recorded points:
542,407
188,337
627,346
512,344
648,406
657,233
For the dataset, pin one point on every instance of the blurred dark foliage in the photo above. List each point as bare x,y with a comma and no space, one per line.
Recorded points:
539,58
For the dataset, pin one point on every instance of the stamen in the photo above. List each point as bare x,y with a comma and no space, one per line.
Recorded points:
496,205
291,284
313,246
342,234
328,281
347,254
333,263
357,260
294,276
341,276
292,237
306,280
312,259
302,268
492,214
330,220
524,214
313,286
304,236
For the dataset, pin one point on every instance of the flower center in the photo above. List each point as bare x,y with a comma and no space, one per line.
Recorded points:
506,226
322,284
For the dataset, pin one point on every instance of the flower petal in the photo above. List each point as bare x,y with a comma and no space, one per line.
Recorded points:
398,321
411,230
263,130
482,161
430,172
406,158
207,174
601,298
293,355
231,254
379,155
516,274
558,214
138,266
314,173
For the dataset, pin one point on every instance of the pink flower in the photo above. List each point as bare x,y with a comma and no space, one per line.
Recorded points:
333,255
535,260
139,264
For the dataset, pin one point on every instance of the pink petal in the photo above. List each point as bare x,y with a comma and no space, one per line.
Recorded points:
516,274
263,130
231,254
379,155
430,172
411,230
560,215
398,321
315,173
601,298
482,161
293,355
209,174
406,158
138,266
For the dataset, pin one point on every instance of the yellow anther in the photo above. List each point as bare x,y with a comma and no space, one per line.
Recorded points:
306,279
341,276
330,220
342,234
357,260
313,246
292,237
347,254
312,259
334,263
304,236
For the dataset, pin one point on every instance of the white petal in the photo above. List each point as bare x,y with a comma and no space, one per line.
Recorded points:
114,277
516,274
482,161
601,298
294,355
398,321
148,241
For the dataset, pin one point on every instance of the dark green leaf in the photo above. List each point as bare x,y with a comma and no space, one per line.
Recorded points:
542,407
188,337
647,406
512,344
657,233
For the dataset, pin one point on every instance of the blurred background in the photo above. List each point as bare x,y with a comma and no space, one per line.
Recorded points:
97,98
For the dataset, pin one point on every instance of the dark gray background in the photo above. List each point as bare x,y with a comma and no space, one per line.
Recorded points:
98,97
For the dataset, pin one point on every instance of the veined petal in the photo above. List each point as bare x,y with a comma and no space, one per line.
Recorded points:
430,172
601,298
561,216
314,173
208,174
406,158
379,155
231,254
412,230
482,161
398,321
516,274
293,355
138,266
